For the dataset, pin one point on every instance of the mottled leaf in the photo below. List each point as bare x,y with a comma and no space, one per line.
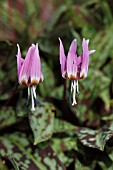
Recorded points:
95,138
18,149
61,145
41,122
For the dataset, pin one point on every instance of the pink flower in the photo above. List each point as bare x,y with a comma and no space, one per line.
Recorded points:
29,70
74,67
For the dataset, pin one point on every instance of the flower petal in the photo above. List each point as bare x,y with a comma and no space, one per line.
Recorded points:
26,67
78,60
91,52
72,61
36,71
62,60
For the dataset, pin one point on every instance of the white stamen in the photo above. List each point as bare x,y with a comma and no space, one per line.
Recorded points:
77,87
34,92
72,85
74,92
28,92
32,97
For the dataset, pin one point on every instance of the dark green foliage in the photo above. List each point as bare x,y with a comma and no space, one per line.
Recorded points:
56,136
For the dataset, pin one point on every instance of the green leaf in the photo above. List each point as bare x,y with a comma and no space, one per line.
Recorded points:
104,166
80,166
103,44
41,122
49,81
63,126
108,18
62,145
100,87
61,10
108,117
8,117
57,92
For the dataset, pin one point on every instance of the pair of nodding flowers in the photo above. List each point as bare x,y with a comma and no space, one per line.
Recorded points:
72,67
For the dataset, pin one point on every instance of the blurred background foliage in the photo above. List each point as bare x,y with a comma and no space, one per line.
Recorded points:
56,136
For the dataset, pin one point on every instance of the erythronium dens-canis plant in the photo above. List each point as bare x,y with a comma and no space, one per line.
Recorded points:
74,67
30,71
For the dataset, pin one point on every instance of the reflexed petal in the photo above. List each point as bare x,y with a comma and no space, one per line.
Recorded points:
91,52
62,59
26,67
84,58
19,60
36,71
72,61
